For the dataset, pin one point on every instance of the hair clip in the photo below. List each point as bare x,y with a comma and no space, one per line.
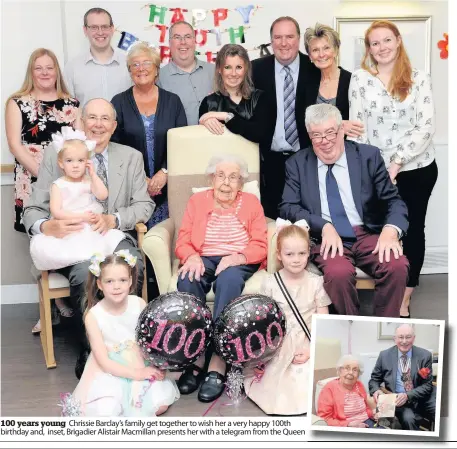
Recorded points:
125,254
68,133
95,262
280,223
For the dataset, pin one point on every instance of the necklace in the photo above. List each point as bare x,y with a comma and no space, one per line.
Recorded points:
326,81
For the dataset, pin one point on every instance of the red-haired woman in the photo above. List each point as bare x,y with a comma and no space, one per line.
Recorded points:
395,103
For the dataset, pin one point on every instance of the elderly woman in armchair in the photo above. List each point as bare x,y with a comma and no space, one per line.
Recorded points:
222,240
343,402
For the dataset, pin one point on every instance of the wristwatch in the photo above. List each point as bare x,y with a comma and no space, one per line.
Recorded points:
164,170
230,115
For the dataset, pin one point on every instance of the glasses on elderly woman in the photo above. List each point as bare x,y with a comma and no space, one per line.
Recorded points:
144,65
233,177
352,369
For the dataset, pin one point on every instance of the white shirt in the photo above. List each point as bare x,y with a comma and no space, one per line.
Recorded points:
403,131
87,78
279,142
341,173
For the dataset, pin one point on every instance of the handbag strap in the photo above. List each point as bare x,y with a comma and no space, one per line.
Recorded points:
292,305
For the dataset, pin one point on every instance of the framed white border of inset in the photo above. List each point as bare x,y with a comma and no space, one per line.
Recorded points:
327,321
416,32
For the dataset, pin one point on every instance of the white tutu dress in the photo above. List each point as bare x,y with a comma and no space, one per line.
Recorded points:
51,253
102,394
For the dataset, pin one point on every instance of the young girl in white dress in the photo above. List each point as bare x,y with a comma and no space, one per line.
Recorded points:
74,195
282,387
116,380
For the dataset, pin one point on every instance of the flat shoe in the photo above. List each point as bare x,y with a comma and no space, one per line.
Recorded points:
189,382
37,328
212,387
66,312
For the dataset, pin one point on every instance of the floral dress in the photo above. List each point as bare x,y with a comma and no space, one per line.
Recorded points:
40,119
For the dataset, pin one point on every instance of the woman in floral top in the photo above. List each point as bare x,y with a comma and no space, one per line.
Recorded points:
40,108
395,103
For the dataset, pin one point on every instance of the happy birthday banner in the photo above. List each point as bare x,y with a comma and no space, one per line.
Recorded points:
157,19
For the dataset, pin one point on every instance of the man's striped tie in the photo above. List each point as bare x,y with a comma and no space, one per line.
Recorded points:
290,125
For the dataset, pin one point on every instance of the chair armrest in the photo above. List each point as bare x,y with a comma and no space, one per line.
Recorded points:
157,247
272,260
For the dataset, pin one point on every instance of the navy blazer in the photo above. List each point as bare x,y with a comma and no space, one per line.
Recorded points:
376,198
386,368
263,76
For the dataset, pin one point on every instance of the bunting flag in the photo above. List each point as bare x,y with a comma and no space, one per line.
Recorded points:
264,50
157,11
178,15
211,56
165,54
198,15
245,11
126,40
235,33
219,14
204,37
217,32
163,31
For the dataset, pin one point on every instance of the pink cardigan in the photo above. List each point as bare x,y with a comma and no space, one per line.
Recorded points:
192,233
330,405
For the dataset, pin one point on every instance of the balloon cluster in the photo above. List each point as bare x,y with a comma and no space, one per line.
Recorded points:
176,328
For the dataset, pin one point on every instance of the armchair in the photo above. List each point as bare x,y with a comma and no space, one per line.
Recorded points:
189,151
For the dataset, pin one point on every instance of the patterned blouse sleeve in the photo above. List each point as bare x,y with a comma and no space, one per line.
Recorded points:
416,141
356,110
321,298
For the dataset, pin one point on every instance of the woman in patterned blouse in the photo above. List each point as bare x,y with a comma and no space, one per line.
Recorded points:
395,103
40,108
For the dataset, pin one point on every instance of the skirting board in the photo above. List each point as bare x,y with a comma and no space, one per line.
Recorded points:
436,261
19,294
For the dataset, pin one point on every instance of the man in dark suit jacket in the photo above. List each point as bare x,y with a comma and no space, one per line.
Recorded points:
406,370
270,74
355,213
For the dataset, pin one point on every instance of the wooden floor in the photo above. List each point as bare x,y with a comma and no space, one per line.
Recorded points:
29,389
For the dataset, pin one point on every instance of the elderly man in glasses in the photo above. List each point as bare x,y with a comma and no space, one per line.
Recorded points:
406,370
357,218
185,75
101,71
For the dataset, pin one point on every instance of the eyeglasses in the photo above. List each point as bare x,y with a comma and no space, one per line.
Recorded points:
350,369
144,65
233,178
187,37
95,118
330,137
404,337
95,28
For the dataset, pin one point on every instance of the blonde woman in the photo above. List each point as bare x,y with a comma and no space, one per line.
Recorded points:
322,43
40,108
395,102
145,113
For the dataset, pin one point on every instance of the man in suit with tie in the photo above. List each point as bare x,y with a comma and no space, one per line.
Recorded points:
356,216
285,77
406,370
122,170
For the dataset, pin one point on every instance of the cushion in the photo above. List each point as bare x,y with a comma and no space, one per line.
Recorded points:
57,280
319,385
249,187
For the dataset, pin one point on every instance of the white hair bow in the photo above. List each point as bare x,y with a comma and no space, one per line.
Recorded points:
280,223
68,133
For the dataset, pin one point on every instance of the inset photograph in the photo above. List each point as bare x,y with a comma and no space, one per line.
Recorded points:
381,375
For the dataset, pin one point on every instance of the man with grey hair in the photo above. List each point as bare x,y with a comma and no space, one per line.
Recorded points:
406,370
122,170
185,75
356,216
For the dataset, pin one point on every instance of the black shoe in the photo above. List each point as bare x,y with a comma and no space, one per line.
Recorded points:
188,382
212,387
81,363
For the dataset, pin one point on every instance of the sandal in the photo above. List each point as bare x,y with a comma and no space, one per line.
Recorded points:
66,312
37,328
55,320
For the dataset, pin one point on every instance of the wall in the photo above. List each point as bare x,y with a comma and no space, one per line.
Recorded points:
57,25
